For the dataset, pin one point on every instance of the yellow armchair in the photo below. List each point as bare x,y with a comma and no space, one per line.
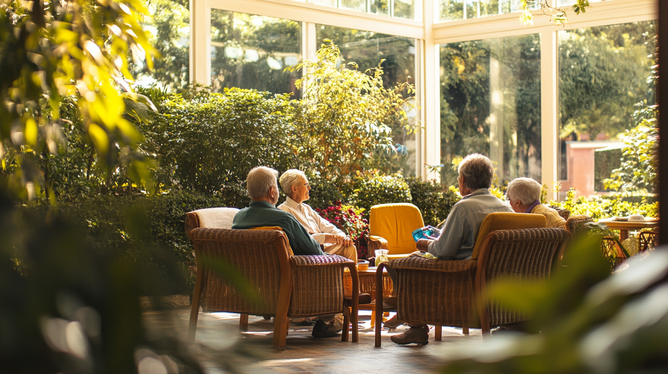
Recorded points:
391,227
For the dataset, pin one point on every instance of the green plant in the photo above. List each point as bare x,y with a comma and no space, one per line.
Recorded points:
208,142
600,207
51,50
433,200
350,220
588,323
637,171
344,115
372,188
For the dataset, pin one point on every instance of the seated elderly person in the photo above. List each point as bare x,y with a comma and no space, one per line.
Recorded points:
263,191
523,194
296,187
460,232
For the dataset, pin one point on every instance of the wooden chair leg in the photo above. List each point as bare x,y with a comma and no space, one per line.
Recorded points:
243,322
438,333
346,324
465,330
373,318
192,326
379,303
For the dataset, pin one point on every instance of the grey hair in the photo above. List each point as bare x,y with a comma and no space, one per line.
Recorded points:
259,180
525,189
289,179
477,170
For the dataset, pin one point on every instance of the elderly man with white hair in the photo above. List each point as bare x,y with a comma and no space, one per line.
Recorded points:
457,239
263,191
297,188
523,194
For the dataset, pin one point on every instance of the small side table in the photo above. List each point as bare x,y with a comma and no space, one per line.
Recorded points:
625,226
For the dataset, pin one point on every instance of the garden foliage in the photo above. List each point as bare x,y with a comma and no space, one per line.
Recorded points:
208,142
344,115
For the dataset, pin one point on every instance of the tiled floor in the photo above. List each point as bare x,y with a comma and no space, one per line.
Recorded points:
252,352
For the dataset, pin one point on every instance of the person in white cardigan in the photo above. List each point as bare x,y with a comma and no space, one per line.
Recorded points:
334,241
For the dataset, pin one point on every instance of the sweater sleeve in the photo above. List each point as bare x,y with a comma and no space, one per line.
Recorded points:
451,237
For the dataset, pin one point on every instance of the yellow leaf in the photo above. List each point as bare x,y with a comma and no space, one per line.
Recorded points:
31,132
99,138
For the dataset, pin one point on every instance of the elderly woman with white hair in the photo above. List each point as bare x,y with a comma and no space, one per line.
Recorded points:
296,187
523,194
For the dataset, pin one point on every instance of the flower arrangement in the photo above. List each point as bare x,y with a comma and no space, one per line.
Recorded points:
350,220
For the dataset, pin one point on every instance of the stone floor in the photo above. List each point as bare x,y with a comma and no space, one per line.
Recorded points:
225,349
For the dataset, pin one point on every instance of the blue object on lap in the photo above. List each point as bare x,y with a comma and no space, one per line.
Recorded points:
423,232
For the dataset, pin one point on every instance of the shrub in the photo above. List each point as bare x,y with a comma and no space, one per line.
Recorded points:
600,207
208,142
345,115
324,193
145,231
434,200
373,188
349,219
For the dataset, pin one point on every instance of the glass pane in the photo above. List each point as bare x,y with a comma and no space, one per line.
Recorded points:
397,54
170,29
358,5
404,9
379,7
571,2
490,7
452,10
251,51
490,104
603,80
325,2
472,10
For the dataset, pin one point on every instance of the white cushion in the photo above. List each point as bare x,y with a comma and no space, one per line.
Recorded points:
216,218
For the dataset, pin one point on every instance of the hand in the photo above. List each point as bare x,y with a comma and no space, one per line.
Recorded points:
423,245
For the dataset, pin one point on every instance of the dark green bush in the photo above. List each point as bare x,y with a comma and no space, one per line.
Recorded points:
156,241
208,142
433,200
373,188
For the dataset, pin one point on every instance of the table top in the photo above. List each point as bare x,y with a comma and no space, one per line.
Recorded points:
614,224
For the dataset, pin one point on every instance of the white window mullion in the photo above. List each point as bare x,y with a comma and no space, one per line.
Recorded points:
549,90
200,42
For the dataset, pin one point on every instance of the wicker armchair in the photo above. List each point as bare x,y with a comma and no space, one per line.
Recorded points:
287,285
445,292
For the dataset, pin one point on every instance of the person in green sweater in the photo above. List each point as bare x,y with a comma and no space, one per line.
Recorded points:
263,191
262,187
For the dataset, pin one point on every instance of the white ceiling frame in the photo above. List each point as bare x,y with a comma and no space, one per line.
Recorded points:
304,12
598,14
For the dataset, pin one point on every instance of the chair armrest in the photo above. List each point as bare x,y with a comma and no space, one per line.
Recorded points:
443,266
318,260
377,242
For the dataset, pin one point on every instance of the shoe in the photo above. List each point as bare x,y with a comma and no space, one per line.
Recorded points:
324,330
390,302
418,335
393,322
306,321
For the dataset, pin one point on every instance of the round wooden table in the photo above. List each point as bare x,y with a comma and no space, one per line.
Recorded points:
624,226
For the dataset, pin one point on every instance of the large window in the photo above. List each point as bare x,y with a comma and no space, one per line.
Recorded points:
603,80
250,51
453,10
396,55
490,104
392,8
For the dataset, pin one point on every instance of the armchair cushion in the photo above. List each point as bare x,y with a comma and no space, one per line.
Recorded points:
395,223
506,221
218,218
